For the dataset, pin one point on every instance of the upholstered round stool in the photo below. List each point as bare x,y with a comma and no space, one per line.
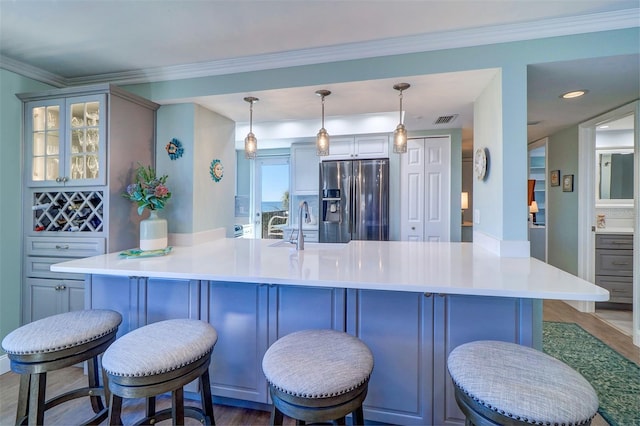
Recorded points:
57,342
318,376
499,383
157,358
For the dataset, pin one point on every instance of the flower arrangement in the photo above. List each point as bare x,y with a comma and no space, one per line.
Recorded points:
148,191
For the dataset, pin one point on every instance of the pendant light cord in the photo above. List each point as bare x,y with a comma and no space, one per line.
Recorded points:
400,106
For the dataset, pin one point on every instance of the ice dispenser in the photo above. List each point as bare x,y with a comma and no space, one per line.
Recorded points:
331,205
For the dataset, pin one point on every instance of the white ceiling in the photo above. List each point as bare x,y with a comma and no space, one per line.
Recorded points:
77,41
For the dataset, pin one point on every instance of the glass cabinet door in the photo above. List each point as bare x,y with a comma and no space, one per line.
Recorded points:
86,138
66,141
44,142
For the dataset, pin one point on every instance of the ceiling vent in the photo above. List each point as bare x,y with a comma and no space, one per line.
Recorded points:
445,119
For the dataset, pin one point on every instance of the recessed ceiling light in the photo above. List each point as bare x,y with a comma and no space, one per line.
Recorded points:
604,126
574,94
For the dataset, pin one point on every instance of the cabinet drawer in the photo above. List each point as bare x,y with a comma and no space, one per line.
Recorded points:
39,267
614,241
620,288
614,262
65,247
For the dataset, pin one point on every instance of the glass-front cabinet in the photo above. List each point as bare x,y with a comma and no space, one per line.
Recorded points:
71,197
66,141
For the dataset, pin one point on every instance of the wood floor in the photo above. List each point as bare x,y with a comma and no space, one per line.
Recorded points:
76,411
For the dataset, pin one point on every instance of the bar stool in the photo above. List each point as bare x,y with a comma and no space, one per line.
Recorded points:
157,358
318,376
499,383
57,342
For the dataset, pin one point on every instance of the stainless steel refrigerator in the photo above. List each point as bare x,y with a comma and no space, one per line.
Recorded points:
354,200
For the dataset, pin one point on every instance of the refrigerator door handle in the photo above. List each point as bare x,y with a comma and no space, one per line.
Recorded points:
350,212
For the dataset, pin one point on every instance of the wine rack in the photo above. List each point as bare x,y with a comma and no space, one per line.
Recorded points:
74,211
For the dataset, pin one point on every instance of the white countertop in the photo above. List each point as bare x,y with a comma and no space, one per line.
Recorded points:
615,230
448,268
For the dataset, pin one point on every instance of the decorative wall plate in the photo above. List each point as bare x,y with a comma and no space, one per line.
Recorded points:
216,170
480,163
174,149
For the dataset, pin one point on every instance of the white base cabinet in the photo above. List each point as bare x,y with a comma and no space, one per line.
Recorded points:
51,296
410,334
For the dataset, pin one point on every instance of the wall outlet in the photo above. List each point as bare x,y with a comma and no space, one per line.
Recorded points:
476,216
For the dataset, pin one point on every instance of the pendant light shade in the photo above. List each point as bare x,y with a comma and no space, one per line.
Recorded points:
322,140
250,142
400,134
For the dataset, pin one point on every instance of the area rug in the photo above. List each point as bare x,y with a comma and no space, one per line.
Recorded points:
615,378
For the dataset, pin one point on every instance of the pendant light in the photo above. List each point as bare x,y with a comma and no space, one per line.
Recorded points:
250,142
400,134
322,140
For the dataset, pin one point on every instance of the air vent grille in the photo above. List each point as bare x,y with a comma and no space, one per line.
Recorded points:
445,119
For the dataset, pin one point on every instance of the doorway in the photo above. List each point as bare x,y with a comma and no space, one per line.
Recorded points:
270,196
617,214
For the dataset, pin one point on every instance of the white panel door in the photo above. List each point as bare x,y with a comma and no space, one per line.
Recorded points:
425,190
437,154
412,192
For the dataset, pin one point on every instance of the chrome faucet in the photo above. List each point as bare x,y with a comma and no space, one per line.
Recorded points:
307,219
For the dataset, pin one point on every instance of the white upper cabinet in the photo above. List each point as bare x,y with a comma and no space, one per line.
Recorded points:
66,141
304,169
358,147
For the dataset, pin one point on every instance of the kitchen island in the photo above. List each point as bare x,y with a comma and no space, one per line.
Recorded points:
410,302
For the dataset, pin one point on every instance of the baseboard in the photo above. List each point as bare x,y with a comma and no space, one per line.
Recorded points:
502,248
582,305
5,364
191,239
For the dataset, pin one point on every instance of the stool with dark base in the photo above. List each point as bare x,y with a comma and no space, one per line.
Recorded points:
499,383
57,342
158,358
318,376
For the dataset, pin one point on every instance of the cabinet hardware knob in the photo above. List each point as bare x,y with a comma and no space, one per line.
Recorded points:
427,294
63,287
441,294
58,179
62,246
65,179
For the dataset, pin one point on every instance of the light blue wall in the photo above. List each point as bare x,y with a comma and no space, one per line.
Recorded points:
197,202
509,220
488,193
11,196
562,207
177,121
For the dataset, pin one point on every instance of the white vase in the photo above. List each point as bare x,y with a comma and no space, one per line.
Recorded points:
153,232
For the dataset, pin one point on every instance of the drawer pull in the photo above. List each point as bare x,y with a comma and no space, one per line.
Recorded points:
620,242
62,246
620,263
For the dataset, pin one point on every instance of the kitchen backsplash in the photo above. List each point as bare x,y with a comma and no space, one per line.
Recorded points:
616,217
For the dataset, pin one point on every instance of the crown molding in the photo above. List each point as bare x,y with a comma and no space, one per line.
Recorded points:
606,21
35,73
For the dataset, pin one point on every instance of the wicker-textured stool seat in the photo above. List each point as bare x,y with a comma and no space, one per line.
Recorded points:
499,383
57,342
318,376
157,358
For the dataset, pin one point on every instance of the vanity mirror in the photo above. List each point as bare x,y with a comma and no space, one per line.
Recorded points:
614,173
614,162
